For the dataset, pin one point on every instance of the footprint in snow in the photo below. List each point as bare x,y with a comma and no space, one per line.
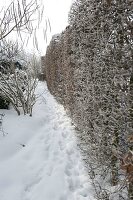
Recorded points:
33,183
71,185
47,140
64,135
55,127
50,170
68,172
70,151
47,147
61,145
83,192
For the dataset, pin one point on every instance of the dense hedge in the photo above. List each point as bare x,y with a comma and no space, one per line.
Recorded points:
89,69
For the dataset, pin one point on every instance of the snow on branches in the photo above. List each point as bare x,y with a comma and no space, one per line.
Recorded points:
18,88
89,69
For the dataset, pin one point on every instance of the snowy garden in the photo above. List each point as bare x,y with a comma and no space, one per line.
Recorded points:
39,158
66,118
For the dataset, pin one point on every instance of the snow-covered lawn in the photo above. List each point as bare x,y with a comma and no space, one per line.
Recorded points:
49,166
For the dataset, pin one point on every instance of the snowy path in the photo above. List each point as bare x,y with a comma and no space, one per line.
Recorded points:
49,167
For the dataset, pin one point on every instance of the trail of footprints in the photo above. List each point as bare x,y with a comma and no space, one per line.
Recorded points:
72,167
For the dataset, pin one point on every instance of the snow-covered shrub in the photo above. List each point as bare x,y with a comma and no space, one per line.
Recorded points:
18,17
17,83
18,88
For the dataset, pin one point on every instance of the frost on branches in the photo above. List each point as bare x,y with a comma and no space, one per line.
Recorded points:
90,70
18,88
17,84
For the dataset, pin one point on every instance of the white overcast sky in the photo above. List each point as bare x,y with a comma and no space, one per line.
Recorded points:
57,12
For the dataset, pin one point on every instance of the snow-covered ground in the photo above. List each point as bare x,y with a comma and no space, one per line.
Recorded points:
49,166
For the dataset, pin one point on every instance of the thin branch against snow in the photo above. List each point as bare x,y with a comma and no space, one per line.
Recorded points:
1,124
